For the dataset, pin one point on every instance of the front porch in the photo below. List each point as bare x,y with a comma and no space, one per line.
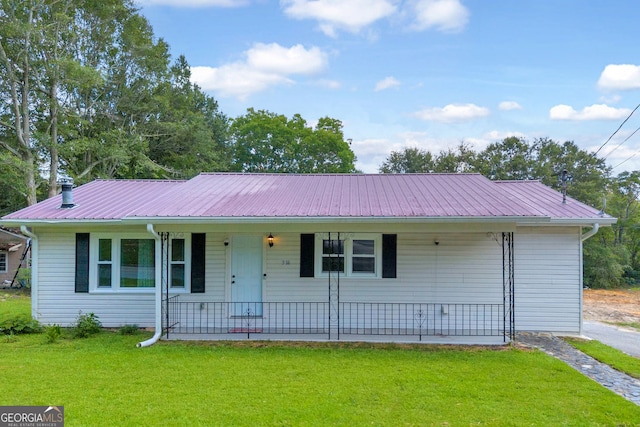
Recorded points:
478,309
344,321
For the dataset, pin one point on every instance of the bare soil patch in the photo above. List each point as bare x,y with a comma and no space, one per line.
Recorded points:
612,305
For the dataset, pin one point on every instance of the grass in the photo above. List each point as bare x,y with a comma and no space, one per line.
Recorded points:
14,302
105,380
611,356
634,325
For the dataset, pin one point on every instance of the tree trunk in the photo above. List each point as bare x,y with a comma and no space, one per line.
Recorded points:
53,144
24,136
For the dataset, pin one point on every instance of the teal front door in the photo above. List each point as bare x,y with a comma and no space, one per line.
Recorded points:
246,276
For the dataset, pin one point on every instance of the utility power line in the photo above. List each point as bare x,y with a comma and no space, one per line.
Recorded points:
617,146
619,127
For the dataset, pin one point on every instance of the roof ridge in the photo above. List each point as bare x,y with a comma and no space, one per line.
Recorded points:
337,174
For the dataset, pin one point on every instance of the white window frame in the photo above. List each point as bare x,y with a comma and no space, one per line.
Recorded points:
348,254
116,240
187,262
6,262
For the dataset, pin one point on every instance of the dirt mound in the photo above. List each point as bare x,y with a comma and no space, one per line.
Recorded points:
613,306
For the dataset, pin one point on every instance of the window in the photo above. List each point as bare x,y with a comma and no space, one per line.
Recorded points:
354,255
128,263
177,263
105,263
3,262
363,259
122,263
137,263
332,255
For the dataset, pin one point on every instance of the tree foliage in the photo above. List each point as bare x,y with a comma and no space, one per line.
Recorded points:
88,91
416,160
262,141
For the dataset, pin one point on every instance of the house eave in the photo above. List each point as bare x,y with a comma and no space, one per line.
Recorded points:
517,220
603,221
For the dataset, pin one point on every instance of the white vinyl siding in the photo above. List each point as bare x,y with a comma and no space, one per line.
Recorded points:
57,301
547,279
463,268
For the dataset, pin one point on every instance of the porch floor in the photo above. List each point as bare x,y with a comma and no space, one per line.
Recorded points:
400,339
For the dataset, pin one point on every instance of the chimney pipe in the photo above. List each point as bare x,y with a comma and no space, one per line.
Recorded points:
67,194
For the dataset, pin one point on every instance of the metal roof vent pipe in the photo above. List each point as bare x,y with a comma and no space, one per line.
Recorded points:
67,194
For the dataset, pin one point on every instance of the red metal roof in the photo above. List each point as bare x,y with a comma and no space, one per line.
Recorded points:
228,195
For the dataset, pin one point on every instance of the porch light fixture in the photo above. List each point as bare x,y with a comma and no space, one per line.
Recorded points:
270,240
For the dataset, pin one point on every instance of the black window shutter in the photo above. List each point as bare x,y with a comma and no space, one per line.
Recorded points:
307,254
82,262
198,247
389,255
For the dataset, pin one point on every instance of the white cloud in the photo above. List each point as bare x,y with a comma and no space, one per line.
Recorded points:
509,105
593,112
620,77
386,83
274,58
448,16
194,3
329,84
265,65
235,80
610,99
334,15
452,113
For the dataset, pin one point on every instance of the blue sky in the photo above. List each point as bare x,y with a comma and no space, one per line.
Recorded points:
421,73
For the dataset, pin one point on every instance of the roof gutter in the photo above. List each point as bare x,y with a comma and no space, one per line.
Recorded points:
158,295
34,269
591,232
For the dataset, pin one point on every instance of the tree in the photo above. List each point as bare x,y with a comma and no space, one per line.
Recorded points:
544,160
511,158
416,160
409,160
262,141
188,133
88,91
589,174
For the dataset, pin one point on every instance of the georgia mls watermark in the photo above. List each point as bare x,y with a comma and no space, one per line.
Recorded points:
31,416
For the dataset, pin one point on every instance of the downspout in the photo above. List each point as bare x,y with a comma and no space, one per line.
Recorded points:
591,232
34,270
158,299
584,237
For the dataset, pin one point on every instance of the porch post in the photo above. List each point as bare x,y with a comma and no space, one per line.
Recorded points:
508,288
334,286
164,278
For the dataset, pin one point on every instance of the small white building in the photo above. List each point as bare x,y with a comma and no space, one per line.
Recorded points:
424,257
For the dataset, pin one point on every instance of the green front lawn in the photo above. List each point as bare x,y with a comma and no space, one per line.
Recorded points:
105,380
14,303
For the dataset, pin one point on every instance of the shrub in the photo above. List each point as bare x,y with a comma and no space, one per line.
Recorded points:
128,330
24,277
86,325
52,333
19,324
